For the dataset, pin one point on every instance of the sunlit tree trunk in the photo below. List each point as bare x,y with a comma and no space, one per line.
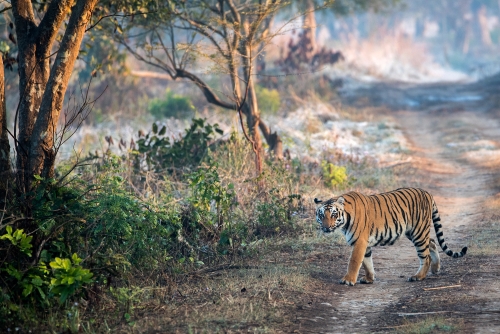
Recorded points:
42,88
42,153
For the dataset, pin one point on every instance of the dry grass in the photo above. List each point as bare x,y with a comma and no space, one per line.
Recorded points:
484,240
258,295
430,325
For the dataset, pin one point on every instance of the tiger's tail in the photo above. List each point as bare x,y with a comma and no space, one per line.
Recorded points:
439,234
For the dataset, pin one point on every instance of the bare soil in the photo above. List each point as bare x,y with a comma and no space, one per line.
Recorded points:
455,155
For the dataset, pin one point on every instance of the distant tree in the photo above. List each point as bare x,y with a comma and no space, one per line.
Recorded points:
226,35
304,51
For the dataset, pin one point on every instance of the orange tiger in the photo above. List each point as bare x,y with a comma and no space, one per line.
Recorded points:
368,221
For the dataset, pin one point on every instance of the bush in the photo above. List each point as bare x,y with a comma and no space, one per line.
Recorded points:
159,154
172,105
268,99
89,231
334,176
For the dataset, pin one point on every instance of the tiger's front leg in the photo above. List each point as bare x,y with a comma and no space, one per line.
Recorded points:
355,261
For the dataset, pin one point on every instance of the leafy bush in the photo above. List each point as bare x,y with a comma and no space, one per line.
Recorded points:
69,276
172,105
268,99
275,216
159,154
334,176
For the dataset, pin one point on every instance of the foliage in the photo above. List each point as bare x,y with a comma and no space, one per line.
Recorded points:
269,100
275,215
18,239
155,151
172,105
101,57
69,276
207,191
333,175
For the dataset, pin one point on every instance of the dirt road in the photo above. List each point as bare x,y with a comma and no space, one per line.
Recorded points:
456,156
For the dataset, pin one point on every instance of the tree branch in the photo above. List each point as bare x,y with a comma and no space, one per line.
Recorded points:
49,26
209,94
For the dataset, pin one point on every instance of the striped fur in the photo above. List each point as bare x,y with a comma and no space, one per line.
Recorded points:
379,220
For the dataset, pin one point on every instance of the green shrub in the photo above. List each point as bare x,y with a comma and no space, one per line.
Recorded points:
172,105
159,154
268,100
333,175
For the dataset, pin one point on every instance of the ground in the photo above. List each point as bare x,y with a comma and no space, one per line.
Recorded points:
455,155
292,286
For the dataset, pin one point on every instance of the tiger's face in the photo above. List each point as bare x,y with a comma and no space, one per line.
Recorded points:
330,215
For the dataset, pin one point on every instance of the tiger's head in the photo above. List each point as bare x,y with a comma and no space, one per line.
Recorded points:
330,214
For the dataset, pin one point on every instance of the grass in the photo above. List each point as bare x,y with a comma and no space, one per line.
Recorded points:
485,239
257,293
430,325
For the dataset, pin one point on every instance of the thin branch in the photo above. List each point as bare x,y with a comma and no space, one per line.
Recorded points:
5,9
116,15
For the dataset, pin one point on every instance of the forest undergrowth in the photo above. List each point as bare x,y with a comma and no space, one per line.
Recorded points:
146,230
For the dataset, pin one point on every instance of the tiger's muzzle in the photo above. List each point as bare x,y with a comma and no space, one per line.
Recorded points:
328,229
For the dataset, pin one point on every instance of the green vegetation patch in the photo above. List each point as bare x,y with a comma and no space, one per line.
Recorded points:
430,325
172,105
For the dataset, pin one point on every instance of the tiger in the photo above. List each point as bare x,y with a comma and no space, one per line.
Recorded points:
379,220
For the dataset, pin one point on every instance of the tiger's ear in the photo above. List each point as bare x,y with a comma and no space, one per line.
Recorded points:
317,201
341,200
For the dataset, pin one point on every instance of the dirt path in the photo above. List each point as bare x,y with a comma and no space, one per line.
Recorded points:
457,157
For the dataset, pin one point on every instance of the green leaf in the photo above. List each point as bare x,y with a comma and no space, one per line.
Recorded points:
28,288
37,281
40,291
162,131
155,128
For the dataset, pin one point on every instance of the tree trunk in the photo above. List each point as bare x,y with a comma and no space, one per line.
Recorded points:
482,19
310,29
35,43
4,140
42,152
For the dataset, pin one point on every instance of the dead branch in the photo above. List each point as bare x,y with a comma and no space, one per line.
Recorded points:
443,287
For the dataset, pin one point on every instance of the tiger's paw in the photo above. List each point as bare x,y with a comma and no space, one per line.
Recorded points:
347,281
366,280
415,278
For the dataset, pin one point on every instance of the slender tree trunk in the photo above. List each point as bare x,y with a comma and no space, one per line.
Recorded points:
310,29
482,19
4,140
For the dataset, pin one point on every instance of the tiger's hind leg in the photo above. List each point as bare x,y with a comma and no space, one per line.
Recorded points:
368,266
435,260
422,246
